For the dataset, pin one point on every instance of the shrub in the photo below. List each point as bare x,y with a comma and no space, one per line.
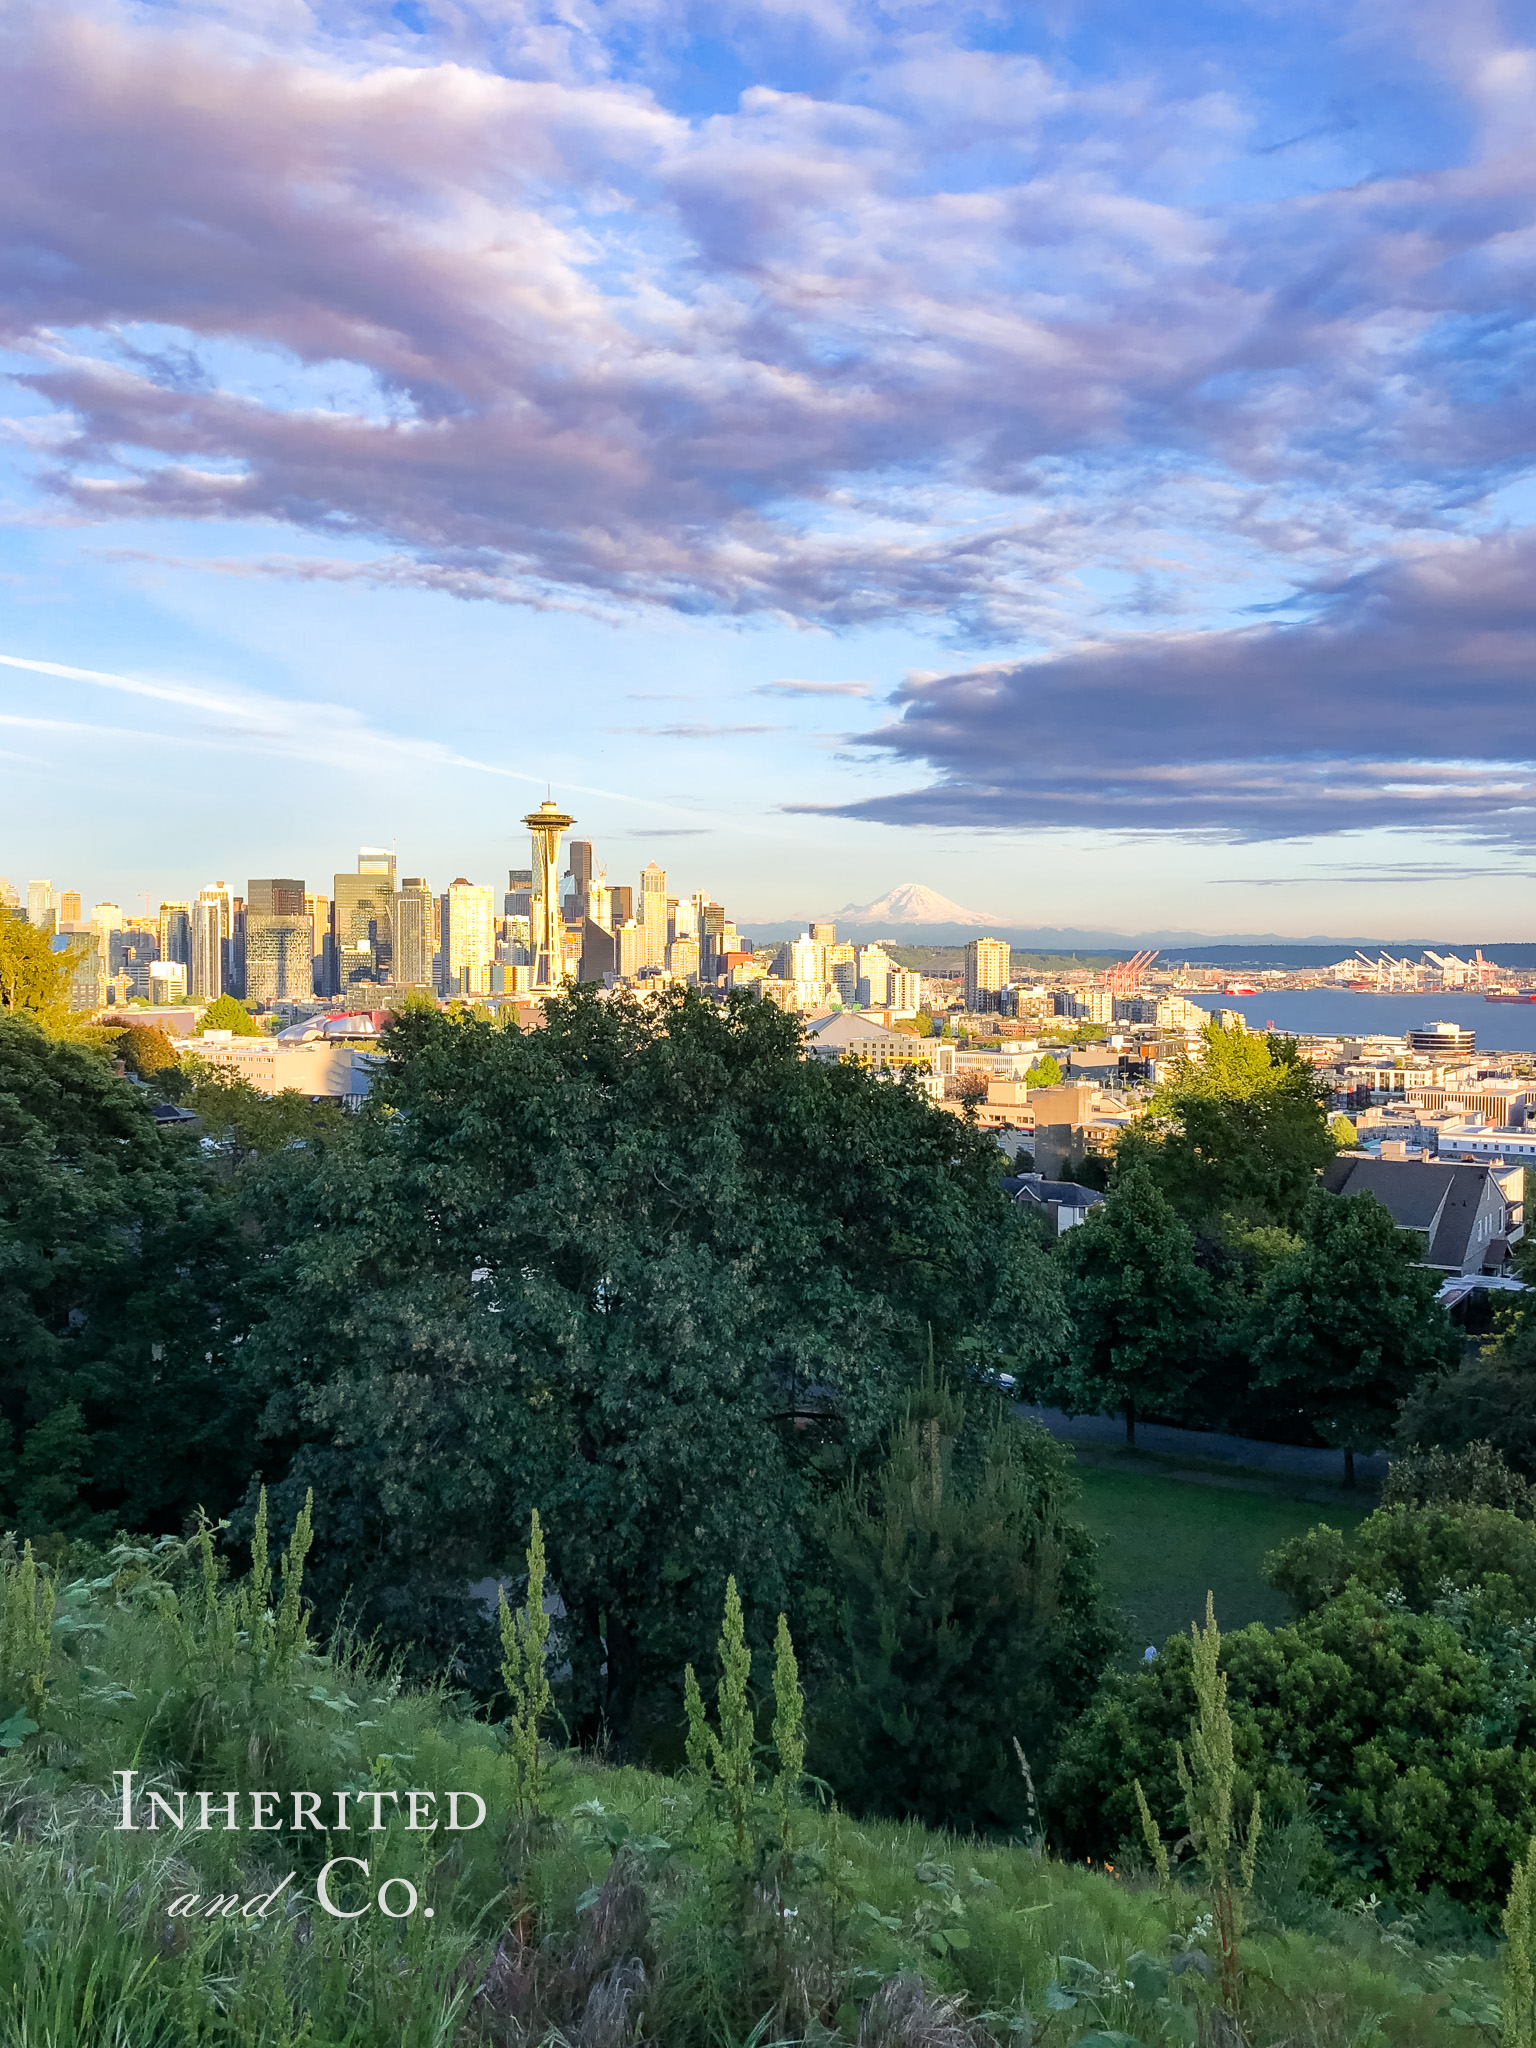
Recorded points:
970,1617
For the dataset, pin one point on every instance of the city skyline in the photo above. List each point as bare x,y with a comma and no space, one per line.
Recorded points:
1075,461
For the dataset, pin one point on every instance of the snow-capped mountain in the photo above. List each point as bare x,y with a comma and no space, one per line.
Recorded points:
911,903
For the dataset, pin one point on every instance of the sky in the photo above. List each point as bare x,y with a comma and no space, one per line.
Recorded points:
1080,458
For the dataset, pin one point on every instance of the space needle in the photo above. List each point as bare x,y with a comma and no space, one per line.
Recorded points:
547,824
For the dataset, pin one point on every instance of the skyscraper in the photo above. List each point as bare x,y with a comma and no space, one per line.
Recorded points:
414,947
176,933
10,895
40,906
653,914
988,963
209,922
469,938
362,921
547,825
319,908
279,942
69,906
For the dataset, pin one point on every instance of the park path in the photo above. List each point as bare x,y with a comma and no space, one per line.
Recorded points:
1158,1440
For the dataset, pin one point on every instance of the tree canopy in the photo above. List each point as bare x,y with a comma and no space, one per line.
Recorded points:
1239,1132
641,1268
225,1014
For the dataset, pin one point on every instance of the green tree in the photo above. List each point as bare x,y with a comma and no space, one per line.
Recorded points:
1045,1073
146,1051
970,1619
225,1014
1137,1302
647,1266
1241,1130
1348,1324
124,1396
243,1121
32,976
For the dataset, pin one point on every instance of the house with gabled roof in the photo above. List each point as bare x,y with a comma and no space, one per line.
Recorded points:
1465,1216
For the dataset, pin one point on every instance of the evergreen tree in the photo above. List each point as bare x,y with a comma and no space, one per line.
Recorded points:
1138,1304
970,1620
1348,1324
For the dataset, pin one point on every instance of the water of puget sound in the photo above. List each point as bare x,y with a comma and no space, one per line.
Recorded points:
1352,1013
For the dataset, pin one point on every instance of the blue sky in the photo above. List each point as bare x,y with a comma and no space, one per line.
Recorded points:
1078,457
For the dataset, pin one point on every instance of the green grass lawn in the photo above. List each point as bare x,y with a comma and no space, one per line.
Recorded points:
1166,1541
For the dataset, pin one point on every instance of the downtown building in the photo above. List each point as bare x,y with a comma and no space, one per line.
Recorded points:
279,942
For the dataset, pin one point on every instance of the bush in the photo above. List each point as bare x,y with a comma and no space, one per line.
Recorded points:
971,1620
1439,1477
1399,1708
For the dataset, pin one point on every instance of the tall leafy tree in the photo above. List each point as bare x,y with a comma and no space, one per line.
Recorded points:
1241,1131
225,1014
1137,1302
1348,1324
34,979
645,1268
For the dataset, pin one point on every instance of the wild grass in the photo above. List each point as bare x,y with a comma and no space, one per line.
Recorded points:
629,1907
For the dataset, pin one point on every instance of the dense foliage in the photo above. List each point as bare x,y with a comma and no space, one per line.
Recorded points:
1398,1709
969,1620
646,1268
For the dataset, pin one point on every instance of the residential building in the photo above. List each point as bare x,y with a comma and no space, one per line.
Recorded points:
10,895
279,941
362,922
683,959
69,906
414,948
469,938
631,949
40,910
872,985
211,915
988,967
1465,1217
1089,1005
1062,1200
89,968
106,917
518,901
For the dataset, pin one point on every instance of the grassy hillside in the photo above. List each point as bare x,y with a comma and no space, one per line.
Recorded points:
1165,1542
627,1909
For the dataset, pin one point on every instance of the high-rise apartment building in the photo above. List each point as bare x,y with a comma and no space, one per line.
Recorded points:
210,917
279,941
988,964
40,909
362,921
69,906
824,934
10,895
414,943
234,960
175,933
105,917
469,938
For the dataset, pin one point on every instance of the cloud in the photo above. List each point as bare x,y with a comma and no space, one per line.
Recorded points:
801,689
701,731
933,333
1407,698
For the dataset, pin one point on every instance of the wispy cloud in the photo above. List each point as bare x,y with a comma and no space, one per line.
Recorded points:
700,731
801,689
